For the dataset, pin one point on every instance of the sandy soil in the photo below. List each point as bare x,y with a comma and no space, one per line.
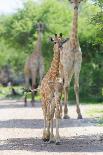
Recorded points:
21,132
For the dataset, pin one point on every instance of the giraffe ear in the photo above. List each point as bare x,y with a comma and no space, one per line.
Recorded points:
51,39
61,35
65,40
55,35
80,1
71,1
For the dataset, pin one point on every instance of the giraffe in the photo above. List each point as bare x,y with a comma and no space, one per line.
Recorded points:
70,62
50,92
34,65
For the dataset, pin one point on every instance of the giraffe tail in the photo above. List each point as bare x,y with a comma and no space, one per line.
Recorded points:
31,90
35,90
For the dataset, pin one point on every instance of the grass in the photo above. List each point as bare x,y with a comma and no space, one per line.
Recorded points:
5,93
98,113
95,112
100,121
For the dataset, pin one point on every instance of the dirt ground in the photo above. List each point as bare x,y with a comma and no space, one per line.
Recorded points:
21,132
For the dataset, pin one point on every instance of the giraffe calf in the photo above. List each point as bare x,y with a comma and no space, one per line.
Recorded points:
50,93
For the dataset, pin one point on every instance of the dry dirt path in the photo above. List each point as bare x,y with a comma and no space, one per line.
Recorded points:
21,132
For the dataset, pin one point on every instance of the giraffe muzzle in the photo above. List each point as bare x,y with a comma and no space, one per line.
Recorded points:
76,7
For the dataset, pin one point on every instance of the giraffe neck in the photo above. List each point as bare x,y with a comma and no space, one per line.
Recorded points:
39,43
54,69
74,31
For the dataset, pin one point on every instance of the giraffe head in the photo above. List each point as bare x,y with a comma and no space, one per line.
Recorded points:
75,3
40,26
57,40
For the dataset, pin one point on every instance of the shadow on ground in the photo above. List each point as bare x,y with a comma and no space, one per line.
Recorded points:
8,104
38,123
91,143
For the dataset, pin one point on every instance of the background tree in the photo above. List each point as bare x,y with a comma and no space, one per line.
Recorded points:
18,36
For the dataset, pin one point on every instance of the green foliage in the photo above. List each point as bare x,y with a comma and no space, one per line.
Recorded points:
97,19
18,38
96,112
99,3
12,57
6,92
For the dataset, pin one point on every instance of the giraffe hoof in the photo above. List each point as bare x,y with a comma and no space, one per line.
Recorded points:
66,117
57,143
80,117
51,141
45,139
32,103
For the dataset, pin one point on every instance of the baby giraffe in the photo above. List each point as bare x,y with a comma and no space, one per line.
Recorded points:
56,109
50,91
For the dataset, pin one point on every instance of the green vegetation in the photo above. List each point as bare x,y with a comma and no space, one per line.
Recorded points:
95,111
18,37
6,92
98,113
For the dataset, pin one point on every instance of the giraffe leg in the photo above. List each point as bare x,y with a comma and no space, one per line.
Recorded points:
44,130
76,89
61,74
52,110
66,103
48,121
32,98
41,69
25,100
67,80
33,95
48,130
60,110
57,132
34,74
52,139
27,86
66,96
57,115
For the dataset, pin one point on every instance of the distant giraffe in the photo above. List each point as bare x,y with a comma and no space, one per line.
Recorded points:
70,60
50,92
34,66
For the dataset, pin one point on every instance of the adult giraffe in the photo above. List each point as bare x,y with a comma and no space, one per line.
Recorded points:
70,60
34,65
